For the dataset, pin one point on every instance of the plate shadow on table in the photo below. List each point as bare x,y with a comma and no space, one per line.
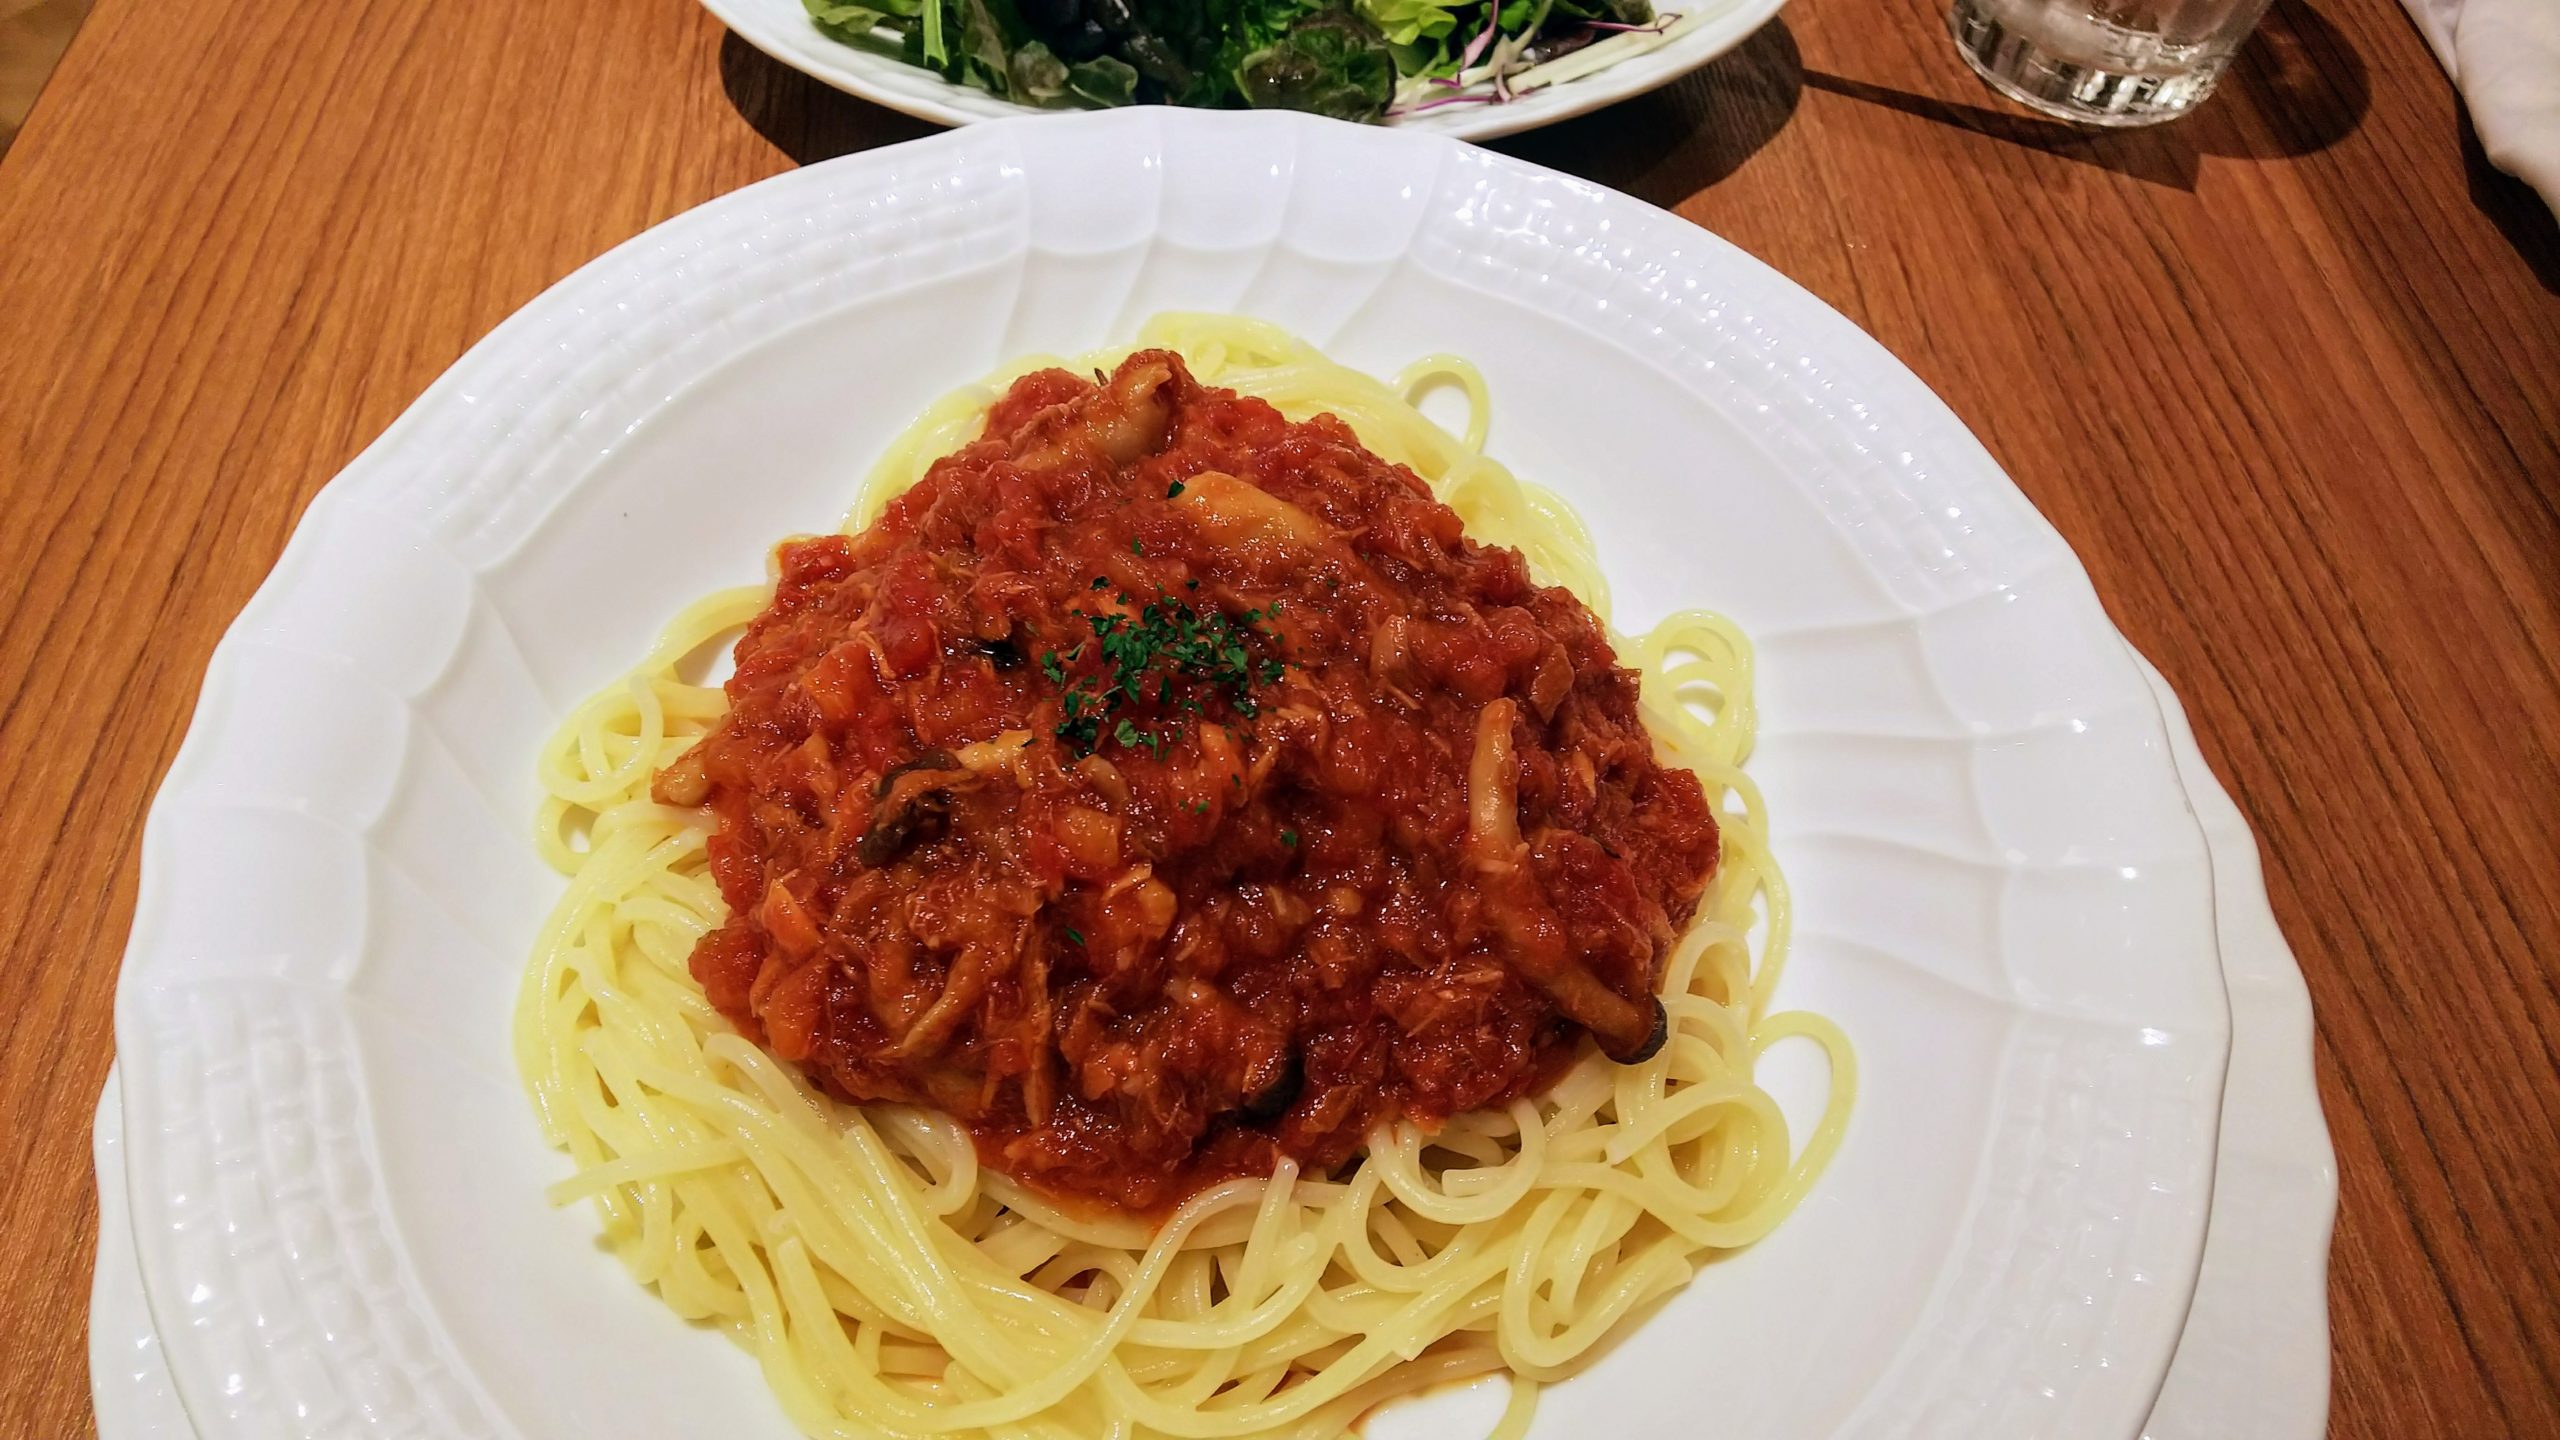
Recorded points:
804,118
1666,145
2517,209
2297,87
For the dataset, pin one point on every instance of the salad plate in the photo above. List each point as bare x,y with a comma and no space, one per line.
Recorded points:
1679,37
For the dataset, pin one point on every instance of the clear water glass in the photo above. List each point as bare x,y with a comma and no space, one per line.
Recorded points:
2103,62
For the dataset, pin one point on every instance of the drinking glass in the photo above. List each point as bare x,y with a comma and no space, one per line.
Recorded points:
2103,62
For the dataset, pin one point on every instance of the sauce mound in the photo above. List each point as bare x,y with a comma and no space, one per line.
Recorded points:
1161,787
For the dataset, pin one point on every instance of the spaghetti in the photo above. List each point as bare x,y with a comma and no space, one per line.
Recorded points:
888,1283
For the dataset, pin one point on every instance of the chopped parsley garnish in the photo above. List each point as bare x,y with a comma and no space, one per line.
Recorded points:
1137,546
1173,491
1101,582
1074,935
1081,722
1165,658
1055,667
1289,838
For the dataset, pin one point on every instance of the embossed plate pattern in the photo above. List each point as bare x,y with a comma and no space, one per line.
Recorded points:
2001,890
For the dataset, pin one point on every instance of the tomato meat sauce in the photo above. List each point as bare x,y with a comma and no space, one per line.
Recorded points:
1161,787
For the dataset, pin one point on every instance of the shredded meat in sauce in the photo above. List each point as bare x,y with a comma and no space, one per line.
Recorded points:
1383,837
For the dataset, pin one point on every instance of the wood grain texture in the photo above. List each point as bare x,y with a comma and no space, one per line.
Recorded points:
2287,374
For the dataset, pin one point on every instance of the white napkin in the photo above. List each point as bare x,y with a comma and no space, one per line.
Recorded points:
2504,56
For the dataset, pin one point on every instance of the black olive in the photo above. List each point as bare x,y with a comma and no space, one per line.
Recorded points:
1155,60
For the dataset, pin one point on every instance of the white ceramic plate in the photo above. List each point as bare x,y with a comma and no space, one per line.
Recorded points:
129,1384
781,29
2253,1360
2001,891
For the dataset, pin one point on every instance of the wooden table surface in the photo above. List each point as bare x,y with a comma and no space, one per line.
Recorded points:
2287,374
